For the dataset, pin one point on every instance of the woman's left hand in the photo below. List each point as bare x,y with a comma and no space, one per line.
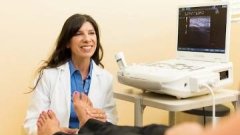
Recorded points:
68,130
97,114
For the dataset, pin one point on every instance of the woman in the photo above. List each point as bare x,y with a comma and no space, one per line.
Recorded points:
73,66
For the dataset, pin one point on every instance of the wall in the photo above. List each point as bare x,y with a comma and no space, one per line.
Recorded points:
145,30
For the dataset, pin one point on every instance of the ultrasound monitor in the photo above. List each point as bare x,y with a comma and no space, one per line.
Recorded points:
203,30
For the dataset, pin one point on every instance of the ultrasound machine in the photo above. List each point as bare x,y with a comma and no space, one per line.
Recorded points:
202,56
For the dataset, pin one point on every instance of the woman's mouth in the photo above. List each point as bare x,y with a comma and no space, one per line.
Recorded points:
86,48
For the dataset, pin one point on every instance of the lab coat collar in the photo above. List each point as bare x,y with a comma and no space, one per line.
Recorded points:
96,70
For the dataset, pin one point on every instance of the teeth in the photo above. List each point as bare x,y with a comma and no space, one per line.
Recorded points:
86,48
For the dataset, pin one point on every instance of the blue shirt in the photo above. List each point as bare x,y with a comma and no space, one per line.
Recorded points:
78,84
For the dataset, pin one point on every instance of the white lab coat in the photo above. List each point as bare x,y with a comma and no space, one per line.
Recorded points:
54,92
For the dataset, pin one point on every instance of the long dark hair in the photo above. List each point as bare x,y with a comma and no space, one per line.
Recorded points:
62,54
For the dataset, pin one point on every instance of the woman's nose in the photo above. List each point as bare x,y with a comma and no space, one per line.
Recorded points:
87,38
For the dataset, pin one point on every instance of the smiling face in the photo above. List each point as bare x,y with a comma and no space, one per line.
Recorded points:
83,44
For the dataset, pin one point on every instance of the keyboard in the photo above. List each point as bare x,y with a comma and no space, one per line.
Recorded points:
178,66
186,65
154,73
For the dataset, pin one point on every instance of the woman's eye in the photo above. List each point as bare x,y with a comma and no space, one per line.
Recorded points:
92,33
78,33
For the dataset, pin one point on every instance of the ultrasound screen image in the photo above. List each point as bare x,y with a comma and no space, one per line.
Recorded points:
200,22
199,31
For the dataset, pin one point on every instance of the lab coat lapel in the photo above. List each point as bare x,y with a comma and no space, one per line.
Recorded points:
65,82
95,94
